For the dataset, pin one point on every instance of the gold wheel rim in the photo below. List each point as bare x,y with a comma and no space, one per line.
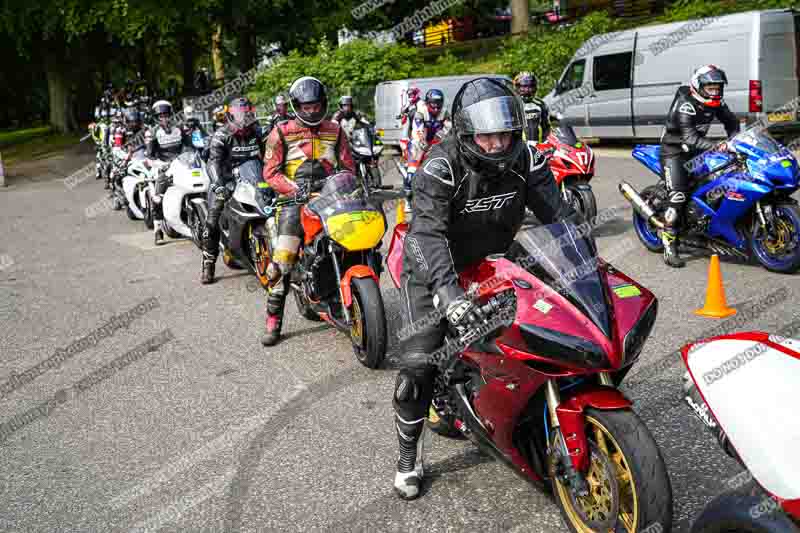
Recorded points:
600,499
357,328
782,237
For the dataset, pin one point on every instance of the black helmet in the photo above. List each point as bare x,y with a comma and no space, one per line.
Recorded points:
486,106
345,100
133,117
434,99
307,90
704,76
240,114
525,84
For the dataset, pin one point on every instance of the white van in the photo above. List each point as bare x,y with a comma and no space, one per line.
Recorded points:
390,97
620,85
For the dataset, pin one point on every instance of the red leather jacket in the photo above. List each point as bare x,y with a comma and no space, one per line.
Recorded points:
294,150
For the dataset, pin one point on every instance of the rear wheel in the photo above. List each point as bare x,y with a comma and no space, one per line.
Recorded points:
130,213
629,489
645,231
779,252
368,332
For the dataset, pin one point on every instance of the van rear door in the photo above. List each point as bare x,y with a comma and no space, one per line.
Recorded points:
778,62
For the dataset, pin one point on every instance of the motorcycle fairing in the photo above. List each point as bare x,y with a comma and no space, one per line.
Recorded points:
749,382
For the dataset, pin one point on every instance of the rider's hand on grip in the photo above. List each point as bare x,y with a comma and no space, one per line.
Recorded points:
463,313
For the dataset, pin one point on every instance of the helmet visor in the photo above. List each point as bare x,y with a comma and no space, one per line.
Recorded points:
241,116
494,115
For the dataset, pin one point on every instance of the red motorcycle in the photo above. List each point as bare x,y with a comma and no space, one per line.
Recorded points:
572,164
536,386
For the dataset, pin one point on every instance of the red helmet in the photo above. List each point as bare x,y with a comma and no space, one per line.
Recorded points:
413,95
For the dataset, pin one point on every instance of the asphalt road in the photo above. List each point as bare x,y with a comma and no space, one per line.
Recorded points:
211,431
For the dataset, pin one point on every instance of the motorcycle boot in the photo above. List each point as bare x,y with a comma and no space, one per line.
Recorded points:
276,302
669,239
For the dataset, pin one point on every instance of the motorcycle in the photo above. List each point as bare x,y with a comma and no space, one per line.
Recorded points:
119,168
757,426
247,223
539,389
133,185
337,275
572,164
740,204
366,149
184,201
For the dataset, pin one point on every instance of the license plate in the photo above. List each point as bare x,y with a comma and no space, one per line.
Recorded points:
780,117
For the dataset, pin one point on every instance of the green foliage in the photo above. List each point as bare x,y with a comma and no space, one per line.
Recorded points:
348,68
546,51
694,9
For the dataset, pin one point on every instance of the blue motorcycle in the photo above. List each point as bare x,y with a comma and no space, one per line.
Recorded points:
740,202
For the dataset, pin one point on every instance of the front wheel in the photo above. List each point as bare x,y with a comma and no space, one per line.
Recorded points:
583,200
629,490
368,330
779,252
746,509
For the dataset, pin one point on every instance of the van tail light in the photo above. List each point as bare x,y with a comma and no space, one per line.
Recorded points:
756,99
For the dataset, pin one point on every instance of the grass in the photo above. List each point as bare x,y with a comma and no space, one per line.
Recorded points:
32,143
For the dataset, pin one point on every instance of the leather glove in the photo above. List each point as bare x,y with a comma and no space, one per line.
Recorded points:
459,309
220,192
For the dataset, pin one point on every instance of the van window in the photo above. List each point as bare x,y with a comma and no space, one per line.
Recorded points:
612,71
573,77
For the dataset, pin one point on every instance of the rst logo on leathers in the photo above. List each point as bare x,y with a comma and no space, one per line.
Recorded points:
490,202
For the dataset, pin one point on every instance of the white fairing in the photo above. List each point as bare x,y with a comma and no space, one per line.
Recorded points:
185,180
753,391
129,187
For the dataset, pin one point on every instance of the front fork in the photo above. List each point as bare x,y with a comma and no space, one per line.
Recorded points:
553,397
338,271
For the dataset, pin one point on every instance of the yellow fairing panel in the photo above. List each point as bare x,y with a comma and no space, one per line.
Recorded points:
356,230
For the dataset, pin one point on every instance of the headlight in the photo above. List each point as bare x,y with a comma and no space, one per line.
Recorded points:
245,193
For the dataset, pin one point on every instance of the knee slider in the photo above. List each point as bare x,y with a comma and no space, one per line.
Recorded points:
406,388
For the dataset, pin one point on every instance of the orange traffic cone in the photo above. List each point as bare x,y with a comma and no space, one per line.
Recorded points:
715,306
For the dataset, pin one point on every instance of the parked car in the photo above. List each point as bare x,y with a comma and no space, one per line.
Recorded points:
390,99
622,88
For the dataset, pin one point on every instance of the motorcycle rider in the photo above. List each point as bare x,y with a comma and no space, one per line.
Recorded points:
282,113
694,108
407,118
241,140
429,120
347,117
537,115
470,198
300,153
164,142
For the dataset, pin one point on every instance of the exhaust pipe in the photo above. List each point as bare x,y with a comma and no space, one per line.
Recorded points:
639,205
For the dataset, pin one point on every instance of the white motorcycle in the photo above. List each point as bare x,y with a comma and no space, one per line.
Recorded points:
184,203
133,185
747,385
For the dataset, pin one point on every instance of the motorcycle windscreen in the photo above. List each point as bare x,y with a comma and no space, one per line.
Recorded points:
251,172
348,218
566,135
561,256
751,388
